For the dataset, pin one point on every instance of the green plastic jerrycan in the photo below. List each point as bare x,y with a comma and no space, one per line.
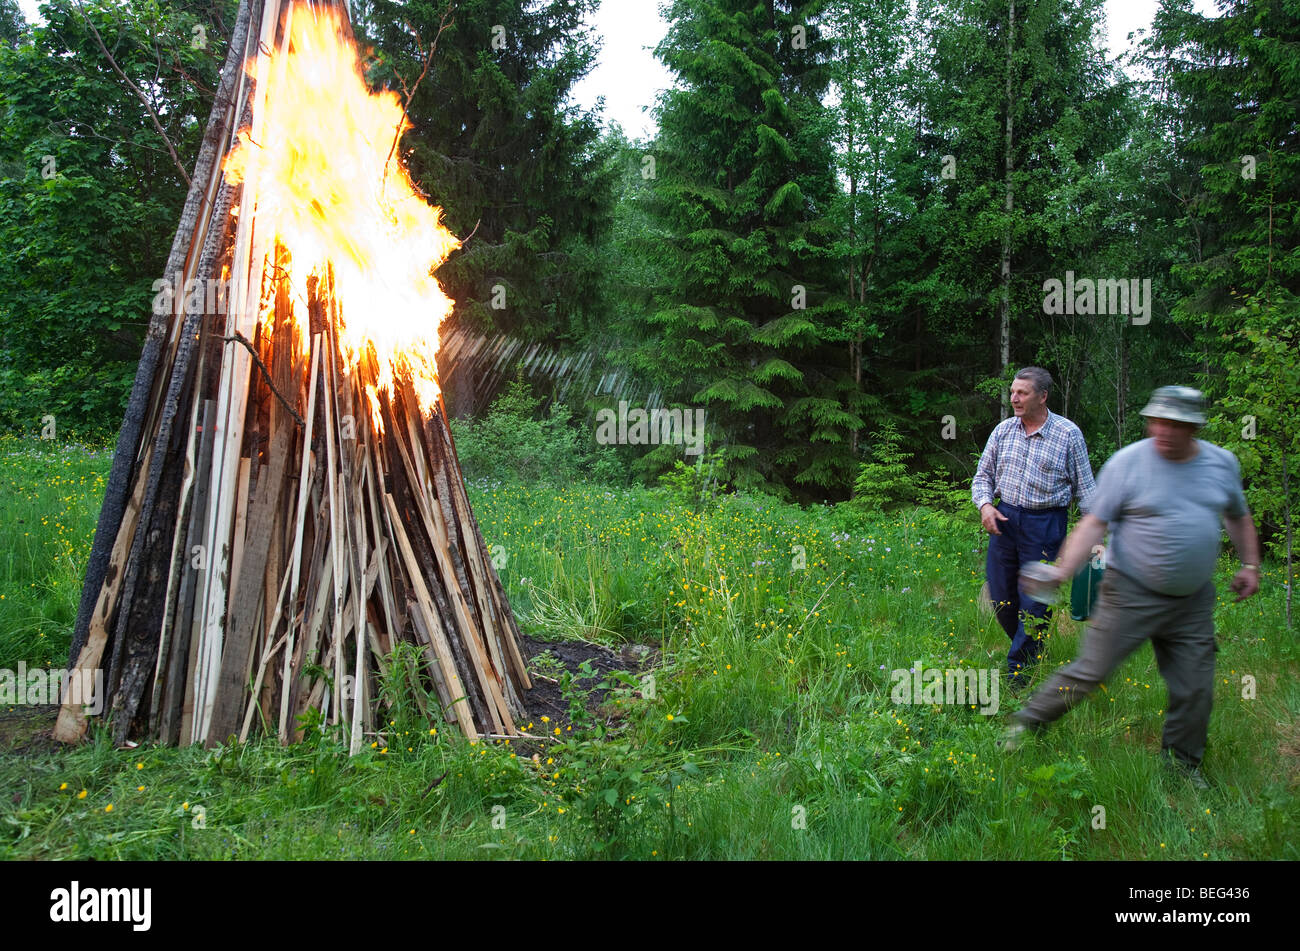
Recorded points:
1083,590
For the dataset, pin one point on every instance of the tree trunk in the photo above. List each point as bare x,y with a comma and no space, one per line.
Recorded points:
855,344
1005,317
1121,389
1286,503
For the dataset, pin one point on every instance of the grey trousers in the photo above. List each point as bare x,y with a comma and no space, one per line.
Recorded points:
1181,630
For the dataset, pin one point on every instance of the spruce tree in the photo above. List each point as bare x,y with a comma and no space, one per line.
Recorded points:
879,74
1027,107
497,143
1232,95
743,190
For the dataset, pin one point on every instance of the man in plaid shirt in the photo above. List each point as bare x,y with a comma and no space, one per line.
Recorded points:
1035,463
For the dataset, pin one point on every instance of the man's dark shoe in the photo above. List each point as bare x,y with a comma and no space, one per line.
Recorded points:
1014,737
1020,674
1186,771
1017,733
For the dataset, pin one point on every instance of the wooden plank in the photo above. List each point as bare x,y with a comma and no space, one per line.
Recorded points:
138,624
442,549
387,600
467,542
178,559
304,485
71,724
455,700
314,626
455,582
244,613
178,665
336,523
358,549
498,620
239,536
417,506
246,268
272,646
506,628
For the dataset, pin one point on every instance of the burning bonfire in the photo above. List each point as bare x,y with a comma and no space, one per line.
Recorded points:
285,506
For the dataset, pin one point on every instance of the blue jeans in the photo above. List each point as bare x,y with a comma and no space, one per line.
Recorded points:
1028,535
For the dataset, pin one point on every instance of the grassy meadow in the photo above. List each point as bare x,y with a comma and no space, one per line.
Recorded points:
763,729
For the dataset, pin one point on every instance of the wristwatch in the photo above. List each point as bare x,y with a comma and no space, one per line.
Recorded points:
1244,565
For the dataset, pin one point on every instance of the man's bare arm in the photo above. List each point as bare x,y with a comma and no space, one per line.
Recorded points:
1078,547
1244,538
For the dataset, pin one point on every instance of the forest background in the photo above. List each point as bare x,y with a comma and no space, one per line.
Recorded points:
840,242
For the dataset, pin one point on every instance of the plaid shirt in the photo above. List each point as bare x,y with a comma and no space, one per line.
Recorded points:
1039,471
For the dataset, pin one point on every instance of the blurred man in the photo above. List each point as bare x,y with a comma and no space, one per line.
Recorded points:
1162,498
1035,462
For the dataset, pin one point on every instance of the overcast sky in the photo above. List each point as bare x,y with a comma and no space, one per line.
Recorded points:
629,77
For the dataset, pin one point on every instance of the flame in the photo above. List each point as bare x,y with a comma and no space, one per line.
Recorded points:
322,179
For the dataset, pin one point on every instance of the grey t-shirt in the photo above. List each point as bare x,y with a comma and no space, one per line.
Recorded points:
1164,516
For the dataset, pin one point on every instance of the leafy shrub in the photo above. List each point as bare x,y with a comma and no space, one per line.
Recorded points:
84,400
514,440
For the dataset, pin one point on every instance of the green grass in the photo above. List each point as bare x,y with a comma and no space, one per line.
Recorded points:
771,733
49,501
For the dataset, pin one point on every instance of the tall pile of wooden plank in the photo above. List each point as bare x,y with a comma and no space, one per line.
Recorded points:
264,543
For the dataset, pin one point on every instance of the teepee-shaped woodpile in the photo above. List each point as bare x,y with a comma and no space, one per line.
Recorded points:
285,505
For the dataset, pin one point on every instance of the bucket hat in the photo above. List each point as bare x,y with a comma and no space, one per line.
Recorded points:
1180,403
